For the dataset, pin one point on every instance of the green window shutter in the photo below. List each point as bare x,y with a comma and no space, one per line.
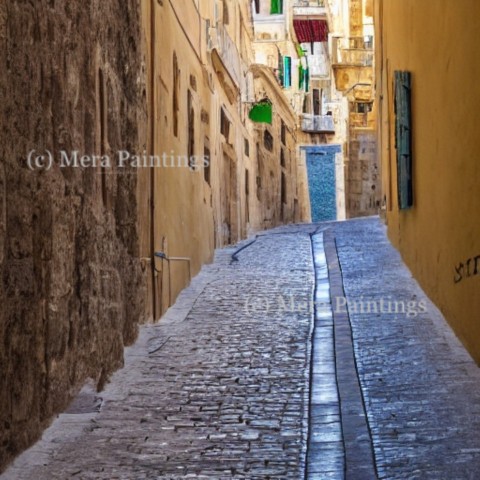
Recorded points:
261,113
403,138
276,7
301,77
287,72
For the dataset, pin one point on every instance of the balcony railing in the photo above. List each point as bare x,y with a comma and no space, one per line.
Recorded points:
302,8
218,39
355,51
318,123
360,58
309,3
230,54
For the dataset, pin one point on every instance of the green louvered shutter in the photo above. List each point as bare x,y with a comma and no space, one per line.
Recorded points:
276,7
301,77
403,138
287,72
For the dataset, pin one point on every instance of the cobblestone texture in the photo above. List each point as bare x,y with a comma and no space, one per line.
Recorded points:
219,389
420,385
219,393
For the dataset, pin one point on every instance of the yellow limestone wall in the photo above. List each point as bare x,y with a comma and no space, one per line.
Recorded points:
191,217
438,41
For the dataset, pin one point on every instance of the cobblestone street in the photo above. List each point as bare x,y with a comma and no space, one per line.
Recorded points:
229,386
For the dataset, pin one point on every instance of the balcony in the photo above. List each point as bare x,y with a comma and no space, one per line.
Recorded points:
352,52
219,40
230,54
309,8
318,123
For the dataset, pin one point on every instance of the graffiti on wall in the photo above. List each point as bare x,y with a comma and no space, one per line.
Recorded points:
468,269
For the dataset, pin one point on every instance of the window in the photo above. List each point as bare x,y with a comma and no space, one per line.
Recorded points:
317,103
282,158
191,127
247,148
247,195
208,160
303,75
268,140
193,82
403,138
226,18
363,107
224,125
260,172
284,188
287,72
306,105
176,86
283,133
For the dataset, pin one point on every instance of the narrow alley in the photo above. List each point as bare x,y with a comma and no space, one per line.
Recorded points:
228,385
239,239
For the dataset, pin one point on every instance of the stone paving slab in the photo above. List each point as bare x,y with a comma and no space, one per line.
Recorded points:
218,389
326,452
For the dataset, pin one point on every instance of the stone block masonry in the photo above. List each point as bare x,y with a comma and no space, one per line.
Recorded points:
71,286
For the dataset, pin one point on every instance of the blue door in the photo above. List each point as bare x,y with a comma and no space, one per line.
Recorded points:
322,184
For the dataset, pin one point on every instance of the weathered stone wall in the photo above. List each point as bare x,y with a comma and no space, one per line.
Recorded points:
70,278
363,175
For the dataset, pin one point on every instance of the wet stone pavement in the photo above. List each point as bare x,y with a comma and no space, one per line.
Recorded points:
249,377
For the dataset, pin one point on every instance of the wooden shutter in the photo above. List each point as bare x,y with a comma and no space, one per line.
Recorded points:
403,138
276,7
287,72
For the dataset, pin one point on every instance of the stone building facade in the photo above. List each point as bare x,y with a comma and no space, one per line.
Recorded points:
352,57
201,63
